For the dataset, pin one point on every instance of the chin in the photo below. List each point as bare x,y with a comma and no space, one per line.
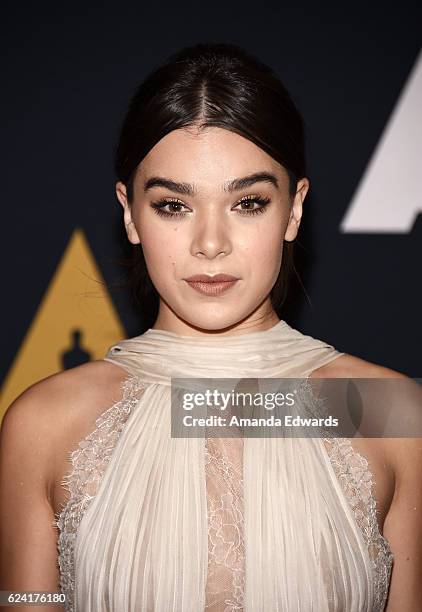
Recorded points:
200,317
214,321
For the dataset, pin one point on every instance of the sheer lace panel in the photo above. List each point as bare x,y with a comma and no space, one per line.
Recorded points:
89,462
225,585
357,482
226,548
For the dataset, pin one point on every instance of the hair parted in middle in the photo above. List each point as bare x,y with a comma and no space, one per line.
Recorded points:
211,85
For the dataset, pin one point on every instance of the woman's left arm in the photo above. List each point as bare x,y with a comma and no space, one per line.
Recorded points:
403,525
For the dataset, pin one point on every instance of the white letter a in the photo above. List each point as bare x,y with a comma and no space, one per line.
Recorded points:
389,196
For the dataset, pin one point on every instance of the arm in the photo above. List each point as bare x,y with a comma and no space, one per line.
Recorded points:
403,525
28,538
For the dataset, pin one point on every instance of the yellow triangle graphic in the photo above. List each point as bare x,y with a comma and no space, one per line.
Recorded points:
76,322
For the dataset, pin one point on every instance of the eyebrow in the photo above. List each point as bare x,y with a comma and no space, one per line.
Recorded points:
233,185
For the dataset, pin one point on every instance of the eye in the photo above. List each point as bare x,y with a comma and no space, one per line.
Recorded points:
250,201
173,204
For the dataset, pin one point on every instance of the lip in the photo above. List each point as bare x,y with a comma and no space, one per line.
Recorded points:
211,285
208,278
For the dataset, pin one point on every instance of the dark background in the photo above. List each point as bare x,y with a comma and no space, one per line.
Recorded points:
68,72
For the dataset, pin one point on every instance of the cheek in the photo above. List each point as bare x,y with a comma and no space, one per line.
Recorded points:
162,251
265,257
265,248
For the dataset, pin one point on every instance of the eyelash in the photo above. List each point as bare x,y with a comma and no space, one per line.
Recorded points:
159,206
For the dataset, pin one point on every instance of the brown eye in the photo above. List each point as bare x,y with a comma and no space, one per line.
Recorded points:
171,213
250,203
174,206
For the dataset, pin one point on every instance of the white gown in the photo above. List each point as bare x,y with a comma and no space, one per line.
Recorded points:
156,523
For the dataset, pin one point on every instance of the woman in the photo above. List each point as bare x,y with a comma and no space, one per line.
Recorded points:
211,179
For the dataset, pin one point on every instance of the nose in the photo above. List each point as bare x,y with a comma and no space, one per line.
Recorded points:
211,236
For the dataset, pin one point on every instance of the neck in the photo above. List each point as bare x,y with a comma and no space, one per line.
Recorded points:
257,321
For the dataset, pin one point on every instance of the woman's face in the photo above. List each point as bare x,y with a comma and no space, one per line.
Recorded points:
212,202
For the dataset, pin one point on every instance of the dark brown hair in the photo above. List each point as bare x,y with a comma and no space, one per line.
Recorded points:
211,84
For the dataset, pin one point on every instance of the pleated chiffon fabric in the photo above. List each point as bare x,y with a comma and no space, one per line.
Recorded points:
293,543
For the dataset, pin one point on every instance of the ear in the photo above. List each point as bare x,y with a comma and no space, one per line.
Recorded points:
131,231
296,211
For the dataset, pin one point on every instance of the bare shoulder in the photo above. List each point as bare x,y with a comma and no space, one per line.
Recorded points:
349,366
64,394
37,432
401,452
46,416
